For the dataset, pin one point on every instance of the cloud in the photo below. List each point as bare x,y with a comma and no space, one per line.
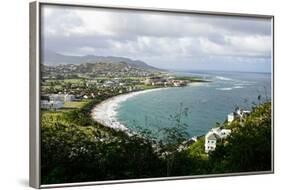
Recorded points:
156,37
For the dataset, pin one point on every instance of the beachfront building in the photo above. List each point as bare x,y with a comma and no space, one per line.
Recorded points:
178,83
238,114
213,136
155,81
160,81
45,104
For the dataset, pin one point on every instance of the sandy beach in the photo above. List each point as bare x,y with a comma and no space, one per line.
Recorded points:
106,112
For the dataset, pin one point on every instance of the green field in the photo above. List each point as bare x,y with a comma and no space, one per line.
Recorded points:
78,104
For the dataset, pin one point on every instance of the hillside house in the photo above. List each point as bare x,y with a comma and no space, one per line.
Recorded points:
213,136
237,114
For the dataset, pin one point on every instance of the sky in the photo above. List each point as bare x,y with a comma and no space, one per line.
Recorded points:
163,40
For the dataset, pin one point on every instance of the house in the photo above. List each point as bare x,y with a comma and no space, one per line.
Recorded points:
213,136
211,141
238,114
231,117
224,133
45,104
108,84
69,98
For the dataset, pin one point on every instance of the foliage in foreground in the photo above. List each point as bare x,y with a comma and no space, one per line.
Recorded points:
76,149
249,146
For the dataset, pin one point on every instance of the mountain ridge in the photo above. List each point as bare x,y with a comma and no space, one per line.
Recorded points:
51,58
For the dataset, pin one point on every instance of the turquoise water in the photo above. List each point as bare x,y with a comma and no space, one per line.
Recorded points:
207,103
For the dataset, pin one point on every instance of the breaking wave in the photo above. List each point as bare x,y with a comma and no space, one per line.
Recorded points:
223,78
224,89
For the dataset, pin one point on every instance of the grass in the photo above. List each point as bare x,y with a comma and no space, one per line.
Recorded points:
74,81
78,105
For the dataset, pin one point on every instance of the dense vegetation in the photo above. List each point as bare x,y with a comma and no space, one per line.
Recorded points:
75,148
249,146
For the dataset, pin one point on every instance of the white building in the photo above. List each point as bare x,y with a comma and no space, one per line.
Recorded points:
230,117
45,104
62,97
108,84
69,98
213,136
238,114
211,141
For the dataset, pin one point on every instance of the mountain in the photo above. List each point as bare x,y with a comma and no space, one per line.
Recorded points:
92,70
54,59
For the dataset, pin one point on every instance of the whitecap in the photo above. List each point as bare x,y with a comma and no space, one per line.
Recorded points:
238,87
224,89
223,78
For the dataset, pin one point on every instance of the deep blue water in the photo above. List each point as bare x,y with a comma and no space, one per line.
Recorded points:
207,103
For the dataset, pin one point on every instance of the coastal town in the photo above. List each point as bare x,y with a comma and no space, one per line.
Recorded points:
55,93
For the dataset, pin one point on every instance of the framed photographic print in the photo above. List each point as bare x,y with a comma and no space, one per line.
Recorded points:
126,94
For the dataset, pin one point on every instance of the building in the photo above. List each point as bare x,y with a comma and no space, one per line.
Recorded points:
108,84
91,83
213,136
154,81
231,117
211,141
178,83
45,104
62,97
238,114
69,98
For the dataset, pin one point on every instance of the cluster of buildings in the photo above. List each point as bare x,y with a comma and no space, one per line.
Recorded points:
160,81
217,134
238,114
56,101
116,83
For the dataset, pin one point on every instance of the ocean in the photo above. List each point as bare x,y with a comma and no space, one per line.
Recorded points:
207,103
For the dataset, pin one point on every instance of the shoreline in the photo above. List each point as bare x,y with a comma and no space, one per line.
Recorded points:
105,112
